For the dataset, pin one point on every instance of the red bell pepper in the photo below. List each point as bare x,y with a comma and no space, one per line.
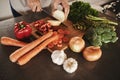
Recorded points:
22,30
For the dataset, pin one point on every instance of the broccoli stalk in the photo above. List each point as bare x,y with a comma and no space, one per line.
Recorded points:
93,18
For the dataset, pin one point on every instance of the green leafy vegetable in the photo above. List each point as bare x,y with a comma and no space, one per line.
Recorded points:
79,10
98,31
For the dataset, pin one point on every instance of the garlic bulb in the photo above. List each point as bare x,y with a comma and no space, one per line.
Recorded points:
70,65
58,57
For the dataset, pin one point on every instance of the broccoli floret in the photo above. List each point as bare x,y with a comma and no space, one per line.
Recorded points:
114,39
97,41
101,31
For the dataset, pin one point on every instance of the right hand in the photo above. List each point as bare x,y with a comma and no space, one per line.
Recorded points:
35,5
64,4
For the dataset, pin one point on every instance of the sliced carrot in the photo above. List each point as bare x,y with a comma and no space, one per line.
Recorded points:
60,41
55,42
51,45
65,39
61,35
66,32
55,33
59,45
61,31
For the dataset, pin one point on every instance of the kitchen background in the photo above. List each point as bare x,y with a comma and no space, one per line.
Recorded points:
5,11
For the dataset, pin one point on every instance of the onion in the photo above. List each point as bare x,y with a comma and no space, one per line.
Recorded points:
58,14
92,53
54,22
76,44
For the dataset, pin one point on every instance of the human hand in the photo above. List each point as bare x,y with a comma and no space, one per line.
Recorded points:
64,4
35,5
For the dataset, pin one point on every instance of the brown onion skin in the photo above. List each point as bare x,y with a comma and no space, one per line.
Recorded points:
76,41
92,53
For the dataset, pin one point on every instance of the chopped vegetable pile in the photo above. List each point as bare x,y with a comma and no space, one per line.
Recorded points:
44,27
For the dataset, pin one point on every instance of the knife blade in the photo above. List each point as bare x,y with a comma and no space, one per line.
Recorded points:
48,13
33,14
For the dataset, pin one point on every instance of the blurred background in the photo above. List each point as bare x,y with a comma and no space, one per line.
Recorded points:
5,10
6,13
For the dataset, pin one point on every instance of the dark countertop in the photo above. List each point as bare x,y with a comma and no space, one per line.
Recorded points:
42,68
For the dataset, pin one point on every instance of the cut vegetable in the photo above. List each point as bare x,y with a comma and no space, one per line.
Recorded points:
58,14
54,22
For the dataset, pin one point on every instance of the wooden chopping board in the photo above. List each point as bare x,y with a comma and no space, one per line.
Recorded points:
67,25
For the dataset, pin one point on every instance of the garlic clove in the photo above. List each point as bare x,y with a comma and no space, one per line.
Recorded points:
70,65
58,57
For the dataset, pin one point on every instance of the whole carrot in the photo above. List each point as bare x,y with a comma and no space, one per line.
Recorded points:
11,42
28,56
20,52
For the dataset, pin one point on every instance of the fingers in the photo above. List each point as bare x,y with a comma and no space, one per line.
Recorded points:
55,5
34,8
38,9
66,8
64,4
34,5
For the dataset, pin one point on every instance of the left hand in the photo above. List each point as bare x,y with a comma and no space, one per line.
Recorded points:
64,4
